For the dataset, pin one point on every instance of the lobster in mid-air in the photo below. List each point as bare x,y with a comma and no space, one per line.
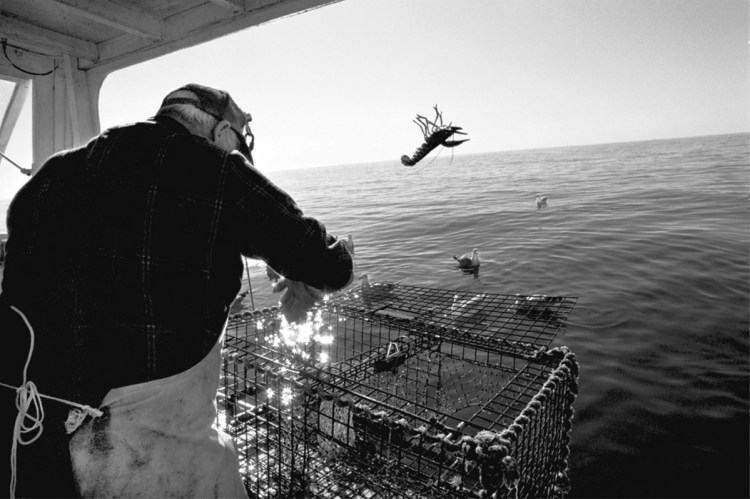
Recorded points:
435,134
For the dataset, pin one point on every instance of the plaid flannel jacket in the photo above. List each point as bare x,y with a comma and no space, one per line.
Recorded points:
125,254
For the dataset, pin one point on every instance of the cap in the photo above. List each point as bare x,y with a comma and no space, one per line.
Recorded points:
217,103
220,105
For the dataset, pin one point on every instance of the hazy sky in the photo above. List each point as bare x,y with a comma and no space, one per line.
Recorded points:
341,84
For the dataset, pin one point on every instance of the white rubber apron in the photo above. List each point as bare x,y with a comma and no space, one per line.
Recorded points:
158,440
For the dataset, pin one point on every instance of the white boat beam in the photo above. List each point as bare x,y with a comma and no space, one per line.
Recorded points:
47,41
114,15
65,109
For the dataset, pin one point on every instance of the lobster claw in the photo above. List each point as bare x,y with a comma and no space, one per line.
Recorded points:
456,130
454,143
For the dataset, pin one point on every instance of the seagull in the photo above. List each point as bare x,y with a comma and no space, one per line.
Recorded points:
468,262
236,305
541,200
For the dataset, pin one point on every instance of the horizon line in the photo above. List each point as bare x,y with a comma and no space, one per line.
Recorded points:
327,165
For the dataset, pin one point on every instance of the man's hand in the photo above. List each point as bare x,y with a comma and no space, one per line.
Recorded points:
298,299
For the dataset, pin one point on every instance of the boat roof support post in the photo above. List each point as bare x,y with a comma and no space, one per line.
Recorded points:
84,115
13,111
65,109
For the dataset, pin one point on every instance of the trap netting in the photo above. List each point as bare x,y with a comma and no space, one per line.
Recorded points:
401,391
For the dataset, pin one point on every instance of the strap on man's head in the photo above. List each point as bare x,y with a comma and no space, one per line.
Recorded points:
217,103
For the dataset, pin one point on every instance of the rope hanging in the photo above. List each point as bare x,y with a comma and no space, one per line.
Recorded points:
31,411
249,284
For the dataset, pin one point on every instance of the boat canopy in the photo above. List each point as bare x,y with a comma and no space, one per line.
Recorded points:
61,51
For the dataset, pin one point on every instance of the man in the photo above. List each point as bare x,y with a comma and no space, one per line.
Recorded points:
123,257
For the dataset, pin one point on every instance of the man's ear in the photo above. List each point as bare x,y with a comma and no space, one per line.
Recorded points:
219,130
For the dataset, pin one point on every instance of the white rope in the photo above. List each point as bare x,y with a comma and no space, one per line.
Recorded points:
31,412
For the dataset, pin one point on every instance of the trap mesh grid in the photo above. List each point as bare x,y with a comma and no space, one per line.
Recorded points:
401,391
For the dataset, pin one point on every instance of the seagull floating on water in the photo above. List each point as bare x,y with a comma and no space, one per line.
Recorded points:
541,200
236,305
468,261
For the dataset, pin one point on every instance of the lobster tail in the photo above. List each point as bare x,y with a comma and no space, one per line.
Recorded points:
407,161
435,139
420,153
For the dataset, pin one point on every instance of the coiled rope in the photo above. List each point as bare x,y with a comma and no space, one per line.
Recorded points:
28,426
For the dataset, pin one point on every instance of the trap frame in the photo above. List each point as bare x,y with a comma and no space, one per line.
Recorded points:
402,391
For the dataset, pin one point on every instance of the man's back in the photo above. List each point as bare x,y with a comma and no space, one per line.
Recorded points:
118,257
114,260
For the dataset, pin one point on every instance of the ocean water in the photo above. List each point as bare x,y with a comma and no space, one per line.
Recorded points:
652,237
654,240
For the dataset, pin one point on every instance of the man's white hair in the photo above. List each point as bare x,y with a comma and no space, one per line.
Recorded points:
188,113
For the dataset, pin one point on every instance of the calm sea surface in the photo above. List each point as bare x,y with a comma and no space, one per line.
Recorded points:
654,240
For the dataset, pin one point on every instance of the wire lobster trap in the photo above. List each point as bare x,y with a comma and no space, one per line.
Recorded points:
401,391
